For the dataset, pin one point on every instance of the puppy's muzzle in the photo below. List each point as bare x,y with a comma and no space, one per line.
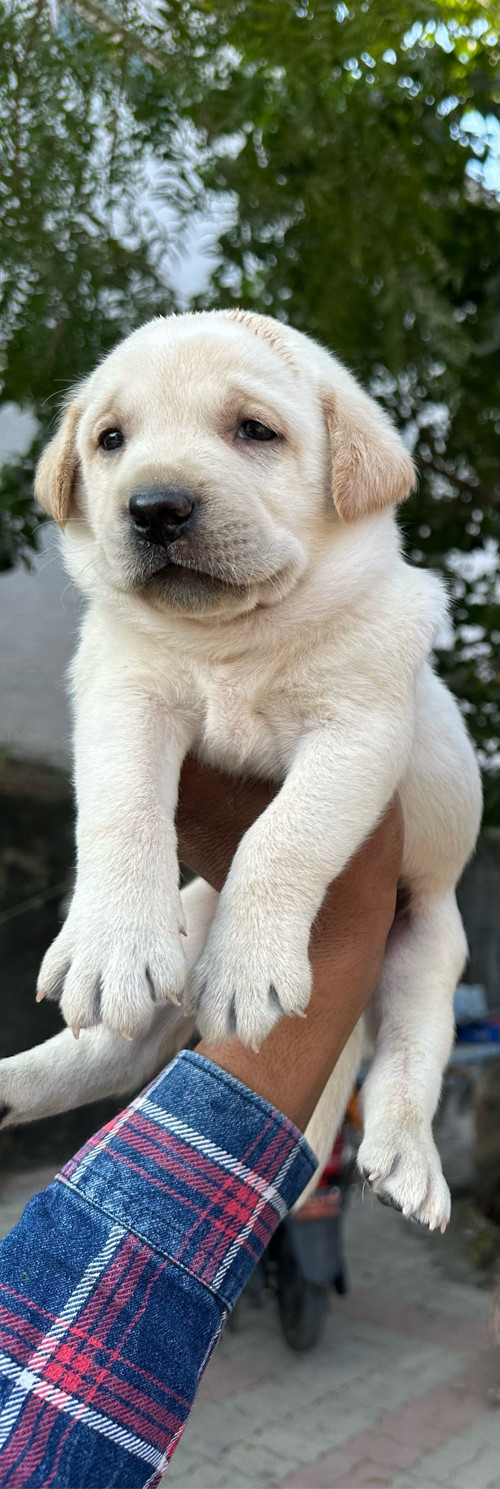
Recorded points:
160,514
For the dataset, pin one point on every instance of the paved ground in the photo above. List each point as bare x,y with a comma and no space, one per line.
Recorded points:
396,1394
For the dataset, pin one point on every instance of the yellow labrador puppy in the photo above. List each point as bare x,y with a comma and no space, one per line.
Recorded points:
226,493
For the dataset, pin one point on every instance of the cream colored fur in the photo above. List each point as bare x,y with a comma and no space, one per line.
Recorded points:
288,639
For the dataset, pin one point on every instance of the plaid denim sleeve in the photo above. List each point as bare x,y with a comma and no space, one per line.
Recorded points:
116,1283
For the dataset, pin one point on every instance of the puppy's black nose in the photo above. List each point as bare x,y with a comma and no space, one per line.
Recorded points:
159,512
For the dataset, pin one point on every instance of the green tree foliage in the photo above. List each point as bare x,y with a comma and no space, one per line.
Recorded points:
352,143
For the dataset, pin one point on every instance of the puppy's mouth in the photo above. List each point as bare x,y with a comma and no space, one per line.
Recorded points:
180,565
200,570
189,575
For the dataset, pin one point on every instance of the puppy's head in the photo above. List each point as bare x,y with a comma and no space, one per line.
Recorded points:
209,457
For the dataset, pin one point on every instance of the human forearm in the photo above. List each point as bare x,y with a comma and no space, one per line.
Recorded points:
347,941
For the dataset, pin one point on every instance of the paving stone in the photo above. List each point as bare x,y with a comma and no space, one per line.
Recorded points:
332,1427
412,1479
287,1440
219,1428
330,1468
489,1426
481,1471
398,1386
261,1465
226,1376
367,1475
389,1453
417,1320
182,1467
206,1476
458,1451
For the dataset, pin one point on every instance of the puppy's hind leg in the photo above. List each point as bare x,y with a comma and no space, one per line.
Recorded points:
64,1072
413,1010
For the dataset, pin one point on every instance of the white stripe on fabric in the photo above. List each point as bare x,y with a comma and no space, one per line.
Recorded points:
49,1343
246,1231
27,1382
75,1303
267,1191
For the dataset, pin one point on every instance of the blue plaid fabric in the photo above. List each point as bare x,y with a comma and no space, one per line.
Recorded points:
116,1283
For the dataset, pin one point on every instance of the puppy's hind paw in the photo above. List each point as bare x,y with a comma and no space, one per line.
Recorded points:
405,1172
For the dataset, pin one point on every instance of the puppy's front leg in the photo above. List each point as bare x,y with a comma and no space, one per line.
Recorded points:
255,964
120,950
64,1073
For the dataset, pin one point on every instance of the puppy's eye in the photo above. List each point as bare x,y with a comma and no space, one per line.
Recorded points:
111,439
253,429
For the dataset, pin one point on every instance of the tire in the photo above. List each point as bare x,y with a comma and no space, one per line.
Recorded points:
302,1307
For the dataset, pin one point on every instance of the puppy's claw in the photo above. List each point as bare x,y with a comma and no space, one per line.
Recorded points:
75,1030
41,994
182,930
369,1177
128,1037
280,1008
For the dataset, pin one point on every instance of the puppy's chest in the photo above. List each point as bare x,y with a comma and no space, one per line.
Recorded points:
248,728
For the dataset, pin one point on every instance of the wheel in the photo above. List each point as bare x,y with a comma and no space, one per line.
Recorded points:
302,1305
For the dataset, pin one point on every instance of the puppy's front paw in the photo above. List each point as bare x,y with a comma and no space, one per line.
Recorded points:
110,964
403,1168
247,977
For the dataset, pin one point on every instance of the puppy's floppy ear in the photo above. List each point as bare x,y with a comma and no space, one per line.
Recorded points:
56,470
371,468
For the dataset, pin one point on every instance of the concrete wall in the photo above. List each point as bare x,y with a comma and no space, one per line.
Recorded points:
39,614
